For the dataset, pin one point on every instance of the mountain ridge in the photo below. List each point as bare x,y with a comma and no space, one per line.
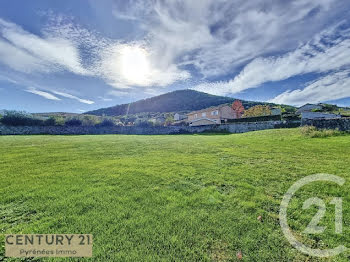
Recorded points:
175,101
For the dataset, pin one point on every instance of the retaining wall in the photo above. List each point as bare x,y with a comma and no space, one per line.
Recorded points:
132,130
343,124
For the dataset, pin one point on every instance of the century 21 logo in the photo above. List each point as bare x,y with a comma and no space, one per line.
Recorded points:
313,227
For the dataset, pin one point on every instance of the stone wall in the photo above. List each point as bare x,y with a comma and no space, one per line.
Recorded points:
132,130
343,124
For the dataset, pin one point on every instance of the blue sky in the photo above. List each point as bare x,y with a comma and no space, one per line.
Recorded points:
81,55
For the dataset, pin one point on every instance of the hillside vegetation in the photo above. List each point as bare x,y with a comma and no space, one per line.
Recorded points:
173,198
177,101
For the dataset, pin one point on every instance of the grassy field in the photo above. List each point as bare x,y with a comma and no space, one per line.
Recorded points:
173,198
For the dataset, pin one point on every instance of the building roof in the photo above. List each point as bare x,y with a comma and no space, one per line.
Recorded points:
313,115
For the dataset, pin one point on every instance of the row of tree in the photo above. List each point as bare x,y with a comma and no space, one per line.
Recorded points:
254,111
19,118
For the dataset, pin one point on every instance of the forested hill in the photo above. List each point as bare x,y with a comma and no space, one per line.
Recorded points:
176,101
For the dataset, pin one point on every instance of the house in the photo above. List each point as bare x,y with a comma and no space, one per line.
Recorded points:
211,116
318,115
179,117
308,108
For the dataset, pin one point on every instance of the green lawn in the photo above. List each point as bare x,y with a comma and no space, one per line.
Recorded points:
173,198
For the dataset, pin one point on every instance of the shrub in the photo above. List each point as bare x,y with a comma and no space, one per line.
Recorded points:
105,123
144,123
59,120
50,121
311,131
169,120
16,118
307,130
88,120
329,107
258,110
73,122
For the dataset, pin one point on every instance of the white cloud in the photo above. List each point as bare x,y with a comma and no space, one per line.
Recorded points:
85,101
8,79
29,53
127,65
105,99
42,90
117,93
331,87
122,65
52,95
323,54
20,60
218,36
42,93
134,10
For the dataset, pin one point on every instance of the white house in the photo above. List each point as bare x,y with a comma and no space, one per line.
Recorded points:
179,117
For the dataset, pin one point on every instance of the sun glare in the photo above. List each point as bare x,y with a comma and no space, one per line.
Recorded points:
134,65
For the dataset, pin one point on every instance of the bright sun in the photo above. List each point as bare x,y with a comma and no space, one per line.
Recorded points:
134,65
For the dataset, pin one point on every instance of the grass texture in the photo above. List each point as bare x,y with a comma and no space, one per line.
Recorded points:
173,198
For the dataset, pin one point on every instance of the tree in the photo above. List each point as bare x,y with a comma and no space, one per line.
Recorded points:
18,118
169,120
73,122
258,110
51,121
238,108
329,108
105,123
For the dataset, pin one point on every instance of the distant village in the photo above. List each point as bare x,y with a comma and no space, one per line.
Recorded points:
236,112
226,113
215,115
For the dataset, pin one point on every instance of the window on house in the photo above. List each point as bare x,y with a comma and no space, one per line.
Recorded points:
195,115
204,114
215,113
